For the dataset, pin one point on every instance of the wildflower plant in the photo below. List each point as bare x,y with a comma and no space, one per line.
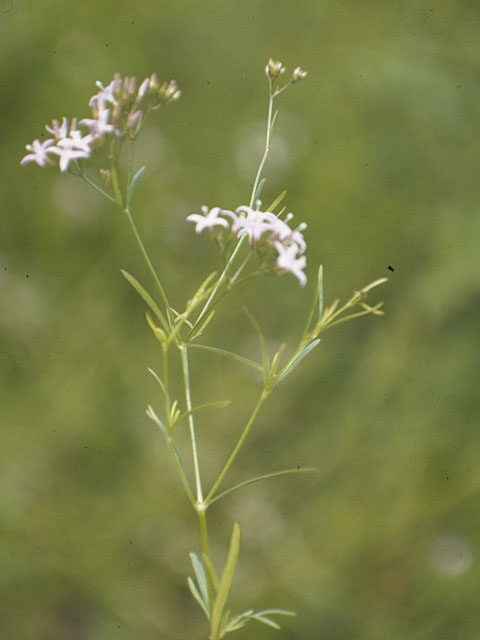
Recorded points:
252,241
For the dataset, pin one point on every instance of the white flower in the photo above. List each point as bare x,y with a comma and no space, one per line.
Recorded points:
59,131
208,220
283,232
39,152
106,94
254,224
287,261
72,147
99,125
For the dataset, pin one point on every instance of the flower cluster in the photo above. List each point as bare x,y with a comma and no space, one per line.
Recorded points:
118,110
261,228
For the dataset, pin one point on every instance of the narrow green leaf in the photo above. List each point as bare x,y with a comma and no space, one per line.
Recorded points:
276,202
221,404
265,620
133,183
263,344
296,360
201,577
225,582
146,297
320,292
211,571
198,597
158,379
273,120
229,354
278,612
203,326
153,416
178,458
266,476
239,621
258,192
261,616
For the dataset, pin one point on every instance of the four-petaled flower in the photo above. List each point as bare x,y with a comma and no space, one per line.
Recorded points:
287,261
39,153
262,228
208,220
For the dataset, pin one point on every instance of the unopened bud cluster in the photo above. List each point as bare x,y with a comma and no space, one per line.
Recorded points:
275,68
118,110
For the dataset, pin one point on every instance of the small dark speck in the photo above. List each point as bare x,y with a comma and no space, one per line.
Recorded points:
298,468
5,268
26,275
390,268
129,542
447,478
106,44
85,447
208,81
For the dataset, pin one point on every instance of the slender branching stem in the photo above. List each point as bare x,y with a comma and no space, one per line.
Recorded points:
224,274
149,264
238,446
191,424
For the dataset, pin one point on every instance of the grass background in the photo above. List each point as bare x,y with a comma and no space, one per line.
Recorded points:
378,149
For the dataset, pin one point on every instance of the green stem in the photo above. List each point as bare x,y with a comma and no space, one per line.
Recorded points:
223,275
267,147
191,425
148,262
96,187
238,447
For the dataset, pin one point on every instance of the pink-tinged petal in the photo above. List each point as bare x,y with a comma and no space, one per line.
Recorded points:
208,220
39,153
287,261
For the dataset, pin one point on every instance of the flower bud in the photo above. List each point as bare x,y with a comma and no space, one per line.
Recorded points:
273,69
298,74
106,176
133,119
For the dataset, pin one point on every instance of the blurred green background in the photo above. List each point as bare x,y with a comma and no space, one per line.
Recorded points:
378,149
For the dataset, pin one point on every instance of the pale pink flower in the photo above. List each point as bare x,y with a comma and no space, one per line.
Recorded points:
208,220
72,147
287,261
99,126
251,223
39,152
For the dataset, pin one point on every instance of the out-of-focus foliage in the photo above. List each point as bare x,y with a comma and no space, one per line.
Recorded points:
379,150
